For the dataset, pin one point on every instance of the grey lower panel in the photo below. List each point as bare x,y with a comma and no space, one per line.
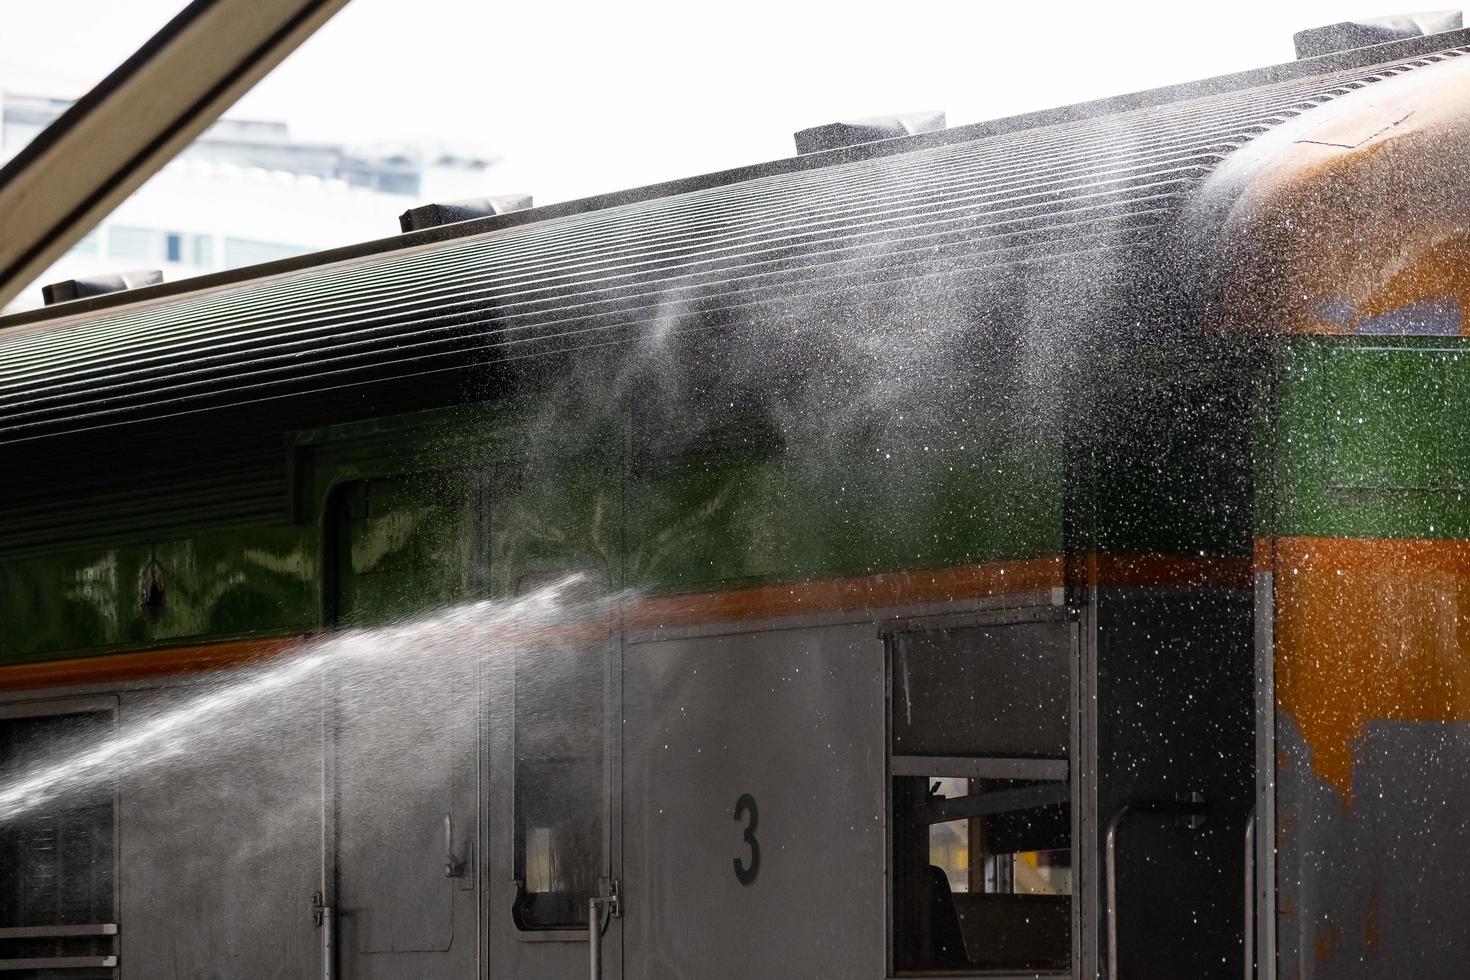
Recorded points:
1375,887
220,852
793,720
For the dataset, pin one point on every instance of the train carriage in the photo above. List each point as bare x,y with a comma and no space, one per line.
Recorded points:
1026,549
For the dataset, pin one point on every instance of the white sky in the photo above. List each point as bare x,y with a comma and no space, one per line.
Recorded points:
582,97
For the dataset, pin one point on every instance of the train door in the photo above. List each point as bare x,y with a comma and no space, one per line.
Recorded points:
1174,778
753,832
550,834
402,764
220,849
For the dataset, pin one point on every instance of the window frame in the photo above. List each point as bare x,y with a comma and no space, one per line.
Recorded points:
1049,770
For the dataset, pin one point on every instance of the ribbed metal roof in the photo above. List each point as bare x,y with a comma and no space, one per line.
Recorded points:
974,208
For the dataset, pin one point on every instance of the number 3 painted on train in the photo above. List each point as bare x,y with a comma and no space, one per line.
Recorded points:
745,875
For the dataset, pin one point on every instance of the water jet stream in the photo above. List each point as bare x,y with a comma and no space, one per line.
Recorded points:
413,644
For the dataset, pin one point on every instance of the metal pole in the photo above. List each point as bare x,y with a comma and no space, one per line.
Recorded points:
601,910
328,955
326,898
594,937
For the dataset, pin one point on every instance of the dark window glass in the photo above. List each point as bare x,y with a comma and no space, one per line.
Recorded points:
983,690
174,247
559,785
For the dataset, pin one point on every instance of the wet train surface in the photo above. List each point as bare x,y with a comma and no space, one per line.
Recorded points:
1017,550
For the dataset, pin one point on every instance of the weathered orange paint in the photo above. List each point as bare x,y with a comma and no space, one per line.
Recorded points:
1369,630
1329,937
1366,211
1373,922
1437,270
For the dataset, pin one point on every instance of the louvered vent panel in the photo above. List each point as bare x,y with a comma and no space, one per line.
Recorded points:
57,865
972,210
142,489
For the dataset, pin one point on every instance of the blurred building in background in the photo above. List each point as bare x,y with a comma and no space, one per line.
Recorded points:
245,192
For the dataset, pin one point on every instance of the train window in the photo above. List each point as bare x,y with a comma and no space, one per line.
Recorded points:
558,781
984,690
980,799
56,861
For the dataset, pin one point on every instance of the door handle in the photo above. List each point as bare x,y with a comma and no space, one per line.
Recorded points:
454,865
1193,808
1250,895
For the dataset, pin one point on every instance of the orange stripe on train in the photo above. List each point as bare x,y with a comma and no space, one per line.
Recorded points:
887,590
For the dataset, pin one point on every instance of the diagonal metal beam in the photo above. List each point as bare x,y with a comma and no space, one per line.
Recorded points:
137,119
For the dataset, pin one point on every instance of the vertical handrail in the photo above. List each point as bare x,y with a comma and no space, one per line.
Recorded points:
323,913
1250,895
601,909
1110,873
1195,808
329,955
594,936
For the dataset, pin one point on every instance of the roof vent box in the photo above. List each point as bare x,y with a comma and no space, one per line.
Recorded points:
835,136
434,215
1352,34
69,289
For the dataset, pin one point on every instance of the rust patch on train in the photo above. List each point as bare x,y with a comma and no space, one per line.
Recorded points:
1363,232
1373,921
1285,824
1369,630
1329,937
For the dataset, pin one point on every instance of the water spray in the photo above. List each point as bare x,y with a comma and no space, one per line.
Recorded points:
478,626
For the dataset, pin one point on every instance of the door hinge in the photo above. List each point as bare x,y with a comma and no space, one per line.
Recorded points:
610,904
320,910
